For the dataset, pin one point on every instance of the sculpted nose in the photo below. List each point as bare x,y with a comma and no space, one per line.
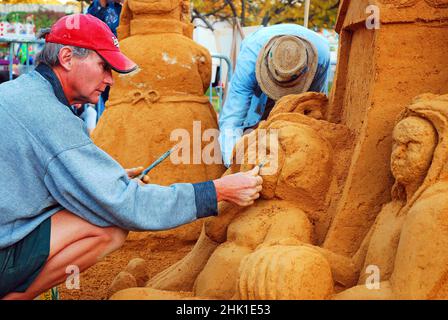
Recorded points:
398,152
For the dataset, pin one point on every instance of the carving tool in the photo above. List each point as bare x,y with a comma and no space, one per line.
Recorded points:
158,161
263,163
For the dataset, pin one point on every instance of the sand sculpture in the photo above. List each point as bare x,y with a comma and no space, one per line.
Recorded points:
409,239
408,243
165,96
379,73
293,206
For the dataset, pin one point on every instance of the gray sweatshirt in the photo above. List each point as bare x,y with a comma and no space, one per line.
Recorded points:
48,163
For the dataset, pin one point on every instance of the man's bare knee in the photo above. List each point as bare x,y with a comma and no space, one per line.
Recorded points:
118,237
112,239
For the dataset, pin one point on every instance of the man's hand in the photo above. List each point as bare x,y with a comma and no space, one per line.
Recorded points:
242,188
135,172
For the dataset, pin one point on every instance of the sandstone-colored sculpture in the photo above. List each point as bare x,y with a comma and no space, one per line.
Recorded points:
137,267
285,273
380,71
148,109
150,294
122,281
409,239
134,275
381,68
294,199
408,243
407,247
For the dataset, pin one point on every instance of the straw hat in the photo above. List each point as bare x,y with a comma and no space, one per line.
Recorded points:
286,65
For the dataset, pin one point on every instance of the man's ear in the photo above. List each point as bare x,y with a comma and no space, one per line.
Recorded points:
66,58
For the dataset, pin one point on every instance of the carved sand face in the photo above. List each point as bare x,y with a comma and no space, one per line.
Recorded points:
299,163
414,141
307,160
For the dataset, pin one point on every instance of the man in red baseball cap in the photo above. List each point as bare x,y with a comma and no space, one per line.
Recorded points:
64,202
86,37
86,31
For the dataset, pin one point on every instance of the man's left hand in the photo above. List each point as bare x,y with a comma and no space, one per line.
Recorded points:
135,172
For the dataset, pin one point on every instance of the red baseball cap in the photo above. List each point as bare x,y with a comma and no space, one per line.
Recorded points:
88,32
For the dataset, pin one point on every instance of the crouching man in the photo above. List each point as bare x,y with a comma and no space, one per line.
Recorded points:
63,200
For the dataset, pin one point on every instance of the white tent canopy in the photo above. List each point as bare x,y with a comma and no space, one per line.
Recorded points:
35,7
307,13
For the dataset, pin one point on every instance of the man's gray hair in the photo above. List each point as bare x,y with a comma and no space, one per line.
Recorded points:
49,53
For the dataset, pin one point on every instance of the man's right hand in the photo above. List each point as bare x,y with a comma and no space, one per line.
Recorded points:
242,188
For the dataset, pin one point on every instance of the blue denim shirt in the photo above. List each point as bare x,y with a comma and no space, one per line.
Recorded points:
48,162
109,14
245,102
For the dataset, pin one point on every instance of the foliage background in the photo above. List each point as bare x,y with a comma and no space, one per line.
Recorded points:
323,13
43,18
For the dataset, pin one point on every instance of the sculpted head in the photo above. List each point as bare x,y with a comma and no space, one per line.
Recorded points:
299,162
155,8
414,141
155,16
307,158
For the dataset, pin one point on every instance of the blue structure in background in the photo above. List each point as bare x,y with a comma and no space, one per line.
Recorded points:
218,83
23,43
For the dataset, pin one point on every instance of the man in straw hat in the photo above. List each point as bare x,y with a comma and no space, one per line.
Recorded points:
273,62
64,202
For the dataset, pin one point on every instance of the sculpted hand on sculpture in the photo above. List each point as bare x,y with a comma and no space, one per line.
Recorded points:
292,198
408,243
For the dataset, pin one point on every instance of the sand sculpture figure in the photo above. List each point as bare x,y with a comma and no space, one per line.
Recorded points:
294,198
372,84
409,240
165,96
408,244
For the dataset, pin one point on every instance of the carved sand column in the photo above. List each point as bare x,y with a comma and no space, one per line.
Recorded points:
379,72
